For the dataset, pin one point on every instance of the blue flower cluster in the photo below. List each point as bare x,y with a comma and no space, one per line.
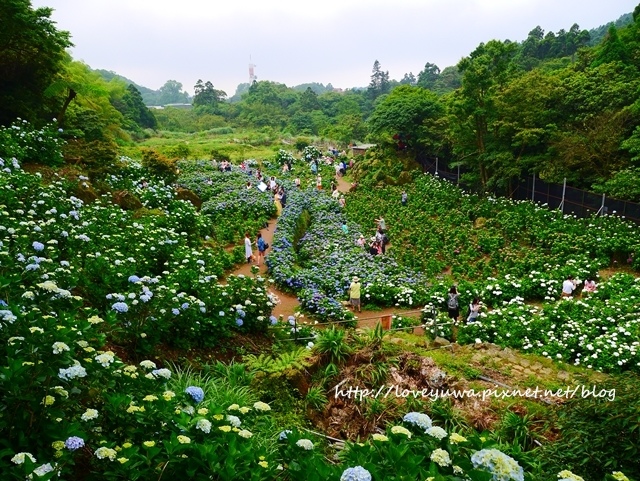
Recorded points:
356,474
418,419
196,393
120,307
73,443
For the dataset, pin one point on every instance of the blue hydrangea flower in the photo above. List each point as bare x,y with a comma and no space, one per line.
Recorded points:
292,320
38,246
134,279
120,307
356,474
196,393
418,419
240,312
221,313
185,305
239,322
73,443
283,435
175,311
273,320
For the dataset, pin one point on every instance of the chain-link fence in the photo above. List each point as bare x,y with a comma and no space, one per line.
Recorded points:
557,196
576,201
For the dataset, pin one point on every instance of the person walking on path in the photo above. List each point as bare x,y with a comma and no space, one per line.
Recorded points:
354,294
381,224
248,251
262,247
453,306
276,199
404,197
319,182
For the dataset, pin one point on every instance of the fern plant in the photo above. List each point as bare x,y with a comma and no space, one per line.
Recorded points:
287,361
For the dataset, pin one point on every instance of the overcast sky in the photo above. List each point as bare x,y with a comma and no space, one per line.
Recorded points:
300,41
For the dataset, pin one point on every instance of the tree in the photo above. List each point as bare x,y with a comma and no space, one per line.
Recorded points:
379,84
485,72
428,77
612,49
32,51
408,117
408,79
171,93
309,100
207,96
136,110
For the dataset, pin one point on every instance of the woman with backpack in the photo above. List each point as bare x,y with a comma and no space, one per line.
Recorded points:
453,306
262,247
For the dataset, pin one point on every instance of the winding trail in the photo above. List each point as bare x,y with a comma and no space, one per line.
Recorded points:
289,303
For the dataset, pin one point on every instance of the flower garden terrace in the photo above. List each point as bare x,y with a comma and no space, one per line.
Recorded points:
86,277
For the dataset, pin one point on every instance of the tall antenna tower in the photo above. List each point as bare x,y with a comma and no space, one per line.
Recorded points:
252,74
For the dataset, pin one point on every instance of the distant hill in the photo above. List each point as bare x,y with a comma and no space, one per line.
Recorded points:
597,34
170,93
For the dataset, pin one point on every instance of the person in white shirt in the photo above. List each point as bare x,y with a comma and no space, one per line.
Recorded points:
248,250
568,286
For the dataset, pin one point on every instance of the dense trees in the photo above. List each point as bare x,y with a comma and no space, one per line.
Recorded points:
31,53
408,118
207,96
379,84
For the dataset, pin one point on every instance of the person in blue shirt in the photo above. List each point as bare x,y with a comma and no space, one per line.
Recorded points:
262,246
345,229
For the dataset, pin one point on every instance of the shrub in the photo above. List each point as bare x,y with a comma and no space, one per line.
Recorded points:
159,165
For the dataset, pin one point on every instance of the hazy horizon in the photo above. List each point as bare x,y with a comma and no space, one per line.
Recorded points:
150,42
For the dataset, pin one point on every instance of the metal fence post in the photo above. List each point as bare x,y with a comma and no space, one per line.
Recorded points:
533,188
564,188
601,209
436,166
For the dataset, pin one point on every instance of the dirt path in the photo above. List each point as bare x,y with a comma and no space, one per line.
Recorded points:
289,303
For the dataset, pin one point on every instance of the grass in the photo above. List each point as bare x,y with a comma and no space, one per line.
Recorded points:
238,145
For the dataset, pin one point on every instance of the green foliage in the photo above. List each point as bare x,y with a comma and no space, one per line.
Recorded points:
316,398
135,111
599,435
518,429
332,343
408,118
159,165
207,96
379,84
624,184
282,364
31,54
